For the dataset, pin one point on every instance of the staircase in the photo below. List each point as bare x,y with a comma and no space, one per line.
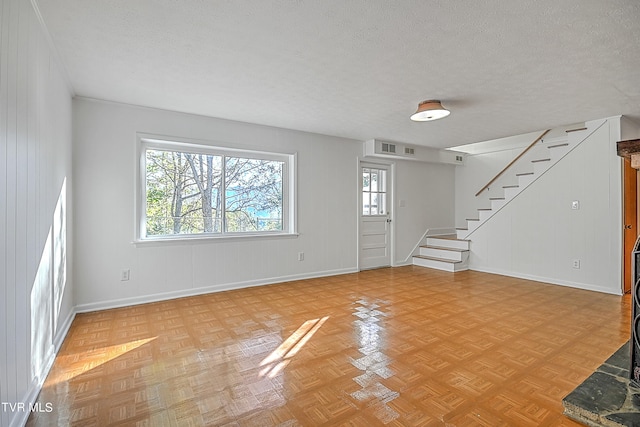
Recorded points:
446,253
451,252
531,166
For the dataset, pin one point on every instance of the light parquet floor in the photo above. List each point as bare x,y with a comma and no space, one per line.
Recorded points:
406,346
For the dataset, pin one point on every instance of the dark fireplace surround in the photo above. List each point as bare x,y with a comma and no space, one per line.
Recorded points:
611,395
630,149
634,368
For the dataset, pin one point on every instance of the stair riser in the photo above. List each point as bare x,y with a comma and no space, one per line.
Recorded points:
510,193
540,167
441,253
557,153
447,243
472,225
438,265
578,136
485,215
525,180
497,204
462,234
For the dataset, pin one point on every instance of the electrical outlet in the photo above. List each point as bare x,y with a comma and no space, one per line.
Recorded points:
576,263
300,256
575,205
124,276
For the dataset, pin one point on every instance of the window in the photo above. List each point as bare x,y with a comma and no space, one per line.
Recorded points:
374,191
190,190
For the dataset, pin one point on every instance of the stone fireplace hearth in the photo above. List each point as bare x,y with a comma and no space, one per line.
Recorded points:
607,397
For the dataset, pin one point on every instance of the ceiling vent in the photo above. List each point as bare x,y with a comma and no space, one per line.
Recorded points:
393,150
388,148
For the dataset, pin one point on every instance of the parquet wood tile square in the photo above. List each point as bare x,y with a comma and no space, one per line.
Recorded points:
399,347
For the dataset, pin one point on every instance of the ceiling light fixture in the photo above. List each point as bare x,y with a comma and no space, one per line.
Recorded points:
429,110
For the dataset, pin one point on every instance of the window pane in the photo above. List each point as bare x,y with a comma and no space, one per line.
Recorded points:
366,202
366,179
382,203
182,193
253,194
374,180
374,203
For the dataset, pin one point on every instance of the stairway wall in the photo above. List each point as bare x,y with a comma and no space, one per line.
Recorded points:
477,171
537,236
423,198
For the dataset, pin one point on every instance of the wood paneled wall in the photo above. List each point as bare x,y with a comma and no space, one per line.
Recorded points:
35,183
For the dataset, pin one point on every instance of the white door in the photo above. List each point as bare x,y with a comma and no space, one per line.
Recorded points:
375,216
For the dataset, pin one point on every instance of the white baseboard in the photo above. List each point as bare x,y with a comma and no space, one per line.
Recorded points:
144,299
549,280
63,330
32,393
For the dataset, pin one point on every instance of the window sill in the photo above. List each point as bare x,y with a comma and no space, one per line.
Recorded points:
185,240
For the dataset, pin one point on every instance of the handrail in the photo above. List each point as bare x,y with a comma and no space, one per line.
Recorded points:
512,162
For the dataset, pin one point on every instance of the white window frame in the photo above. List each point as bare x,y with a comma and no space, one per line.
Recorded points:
184,145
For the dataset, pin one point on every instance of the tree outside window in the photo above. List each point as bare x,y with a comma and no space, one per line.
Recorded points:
194,193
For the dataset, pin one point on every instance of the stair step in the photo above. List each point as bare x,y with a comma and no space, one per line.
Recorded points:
435,258
566,144
439,264
448,242
473,219
575,130
444,253
540,160
496,198
525,173
484,209
445,236
510,186
445,248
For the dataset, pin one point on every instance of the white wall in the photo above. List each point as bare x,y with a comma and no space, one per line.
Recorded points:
629,129
427,192
538,235
104,167
35,222
104,160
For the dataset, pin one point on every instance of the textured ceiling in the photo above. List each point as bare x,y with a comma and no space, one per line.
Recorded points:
359,68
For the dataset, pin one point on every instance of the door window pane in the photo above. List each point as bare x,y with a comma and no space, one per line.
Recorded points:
366,179
374,194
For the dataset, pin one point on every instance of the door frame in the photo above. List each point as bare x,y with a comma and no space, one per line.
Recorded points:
629,221
390,166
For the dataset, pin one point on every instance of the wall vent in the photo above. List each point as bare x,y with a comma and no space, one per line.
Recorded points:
398,151
388,148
